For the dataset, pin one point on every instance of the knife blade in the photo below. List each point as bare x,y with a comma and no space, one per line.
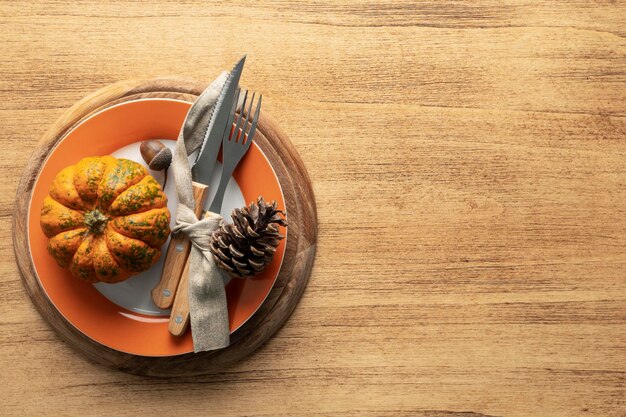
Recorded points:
202,168
205,161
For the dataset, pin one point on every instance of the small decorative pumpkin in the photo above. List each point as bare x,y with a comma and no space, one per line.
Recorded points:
106,219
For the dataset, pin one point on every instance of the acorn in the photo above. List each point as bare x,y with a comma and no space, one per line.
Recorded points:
157,156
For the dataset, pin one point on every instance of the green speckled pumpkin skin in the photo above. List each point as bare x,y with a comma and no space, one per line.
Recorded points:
106,219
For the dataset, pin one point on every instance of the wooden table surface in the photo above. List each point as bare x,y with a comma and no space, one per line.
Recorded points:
469,165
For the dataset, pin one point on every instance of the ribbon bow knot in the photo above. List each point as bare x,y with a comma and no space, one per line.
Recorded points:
199,231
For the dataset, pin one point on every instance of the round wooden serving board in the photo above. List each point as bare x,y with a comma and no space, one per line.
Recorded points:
291,281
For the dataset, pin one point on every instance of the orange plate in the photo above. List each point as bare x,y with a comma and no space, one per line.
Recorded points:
79,302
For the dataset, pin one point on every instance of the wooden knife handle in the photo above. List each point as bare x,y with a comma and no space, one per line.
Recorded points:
179,318
176,256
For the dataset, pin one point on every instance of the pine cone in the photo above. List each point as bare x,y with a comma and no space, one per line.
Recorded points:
246,246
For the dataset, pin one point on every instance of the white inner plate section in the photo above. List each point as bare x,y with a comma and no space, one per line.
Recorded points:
134,294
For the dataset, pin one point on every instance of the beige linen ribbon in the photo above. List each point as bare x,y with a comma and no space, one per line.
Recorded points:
207,296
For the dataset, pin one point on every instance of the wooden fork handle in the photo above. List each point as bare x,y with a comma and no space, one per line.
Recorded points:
176,257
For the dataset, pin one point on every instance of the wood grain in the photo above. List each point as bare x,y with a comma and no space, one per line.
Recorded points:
468,161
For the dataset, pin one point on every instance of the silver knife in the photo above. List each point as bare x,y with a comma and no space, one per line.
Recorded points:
205,162
179,247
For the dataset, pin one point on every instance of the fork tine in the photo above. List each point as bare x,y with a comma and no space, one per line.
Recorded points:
255,119
248,114
241,117
251,103
231,116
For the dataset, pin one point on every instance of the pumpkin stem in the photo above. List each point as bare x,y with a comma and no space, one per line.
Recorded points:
96,221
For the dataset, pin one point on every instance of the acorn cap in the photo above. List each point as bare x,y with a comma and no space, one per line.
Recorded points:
161,160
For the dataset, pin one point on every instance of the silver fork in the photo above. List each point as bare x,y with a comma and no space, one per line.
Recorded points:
235,144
